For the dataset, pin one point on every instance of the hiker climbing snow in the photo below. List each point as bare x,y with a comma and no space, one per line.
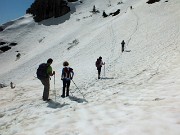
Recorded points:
99,64
66,77
122,44
44,72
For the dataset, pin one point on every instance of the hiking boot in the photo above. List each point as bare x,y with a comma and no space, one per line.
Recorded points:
46,99
67,95
62,96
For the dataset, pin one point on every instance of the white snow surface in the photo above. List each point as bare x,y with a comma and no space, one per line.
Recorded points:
139,92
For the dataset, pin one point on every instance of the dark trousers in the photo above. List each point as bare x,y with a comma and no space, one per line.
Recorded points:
99,72
122,48
46,83
66,85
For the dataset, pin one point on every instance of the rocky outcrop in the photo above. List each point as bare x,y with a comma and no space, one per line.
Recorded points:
1,29
44,9
152,1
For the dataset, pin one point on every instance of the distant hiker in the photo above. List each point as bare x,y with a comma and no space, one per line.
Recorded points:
122,44
104,14
99,64
94,9
12,85
66,77
130,7
44,72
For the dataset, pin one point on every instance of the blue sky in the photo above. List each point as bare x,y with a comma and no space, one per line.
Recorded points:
13,9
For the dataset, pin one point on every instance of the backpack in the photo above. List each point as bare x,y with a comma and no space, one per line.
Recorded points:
42,71
67,72
98,62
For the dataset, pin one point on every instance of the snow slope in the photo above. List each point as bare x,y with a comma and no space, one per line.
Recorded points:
139,90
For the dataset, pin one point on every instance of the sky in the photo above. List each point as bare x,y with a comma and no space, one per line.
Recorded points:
13,9
139,89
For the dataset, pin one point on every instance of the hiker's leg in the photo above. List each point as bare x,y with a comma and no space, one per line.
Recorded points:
46,84
64,86
99,72
68,85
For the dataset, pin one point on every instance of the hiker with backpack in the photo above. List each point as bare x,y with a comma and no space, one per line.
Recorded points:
44,72
122,44
66,77
99,64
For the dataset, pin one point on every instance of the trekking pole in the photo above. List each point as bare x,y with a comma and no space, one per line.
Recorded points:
54,88
78,89
104,70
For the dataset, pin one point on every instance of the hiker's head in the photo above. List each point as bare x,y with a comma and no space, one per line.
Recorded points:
100,58
49,61
65,64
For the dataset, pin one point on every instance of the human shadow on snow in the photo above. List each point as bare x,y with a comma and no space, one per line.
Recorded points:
107,78
55,105
79,100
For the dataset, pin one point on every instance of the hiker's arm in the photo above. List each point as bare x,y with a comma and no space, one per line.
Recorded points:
72,74
50,72
62,74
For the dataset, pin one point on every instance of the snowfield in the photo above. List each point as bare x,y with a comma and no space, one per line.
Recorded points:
139,92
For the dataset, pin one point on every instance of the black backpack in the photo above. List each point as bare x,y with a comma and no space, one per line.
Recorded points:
42,71
67,72
98,63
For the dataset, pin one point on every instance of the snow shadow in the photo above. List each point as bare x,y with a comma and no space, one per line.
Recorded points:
107,78
55,105
127,50
55,21
79,100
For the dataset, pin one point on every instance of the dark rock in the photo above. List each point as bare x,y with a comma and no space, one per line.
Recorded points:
152,1
2,85
1,29
115,13
2,43
44,9
5,48
13,44
104,14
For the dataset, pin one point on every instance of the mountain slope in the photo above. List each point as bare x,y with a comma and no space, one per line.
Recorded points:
138,92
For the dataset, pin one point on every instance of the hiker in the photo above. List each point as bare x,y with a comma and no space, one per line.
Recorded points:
66,77
122,44
43,74
12,85
99,64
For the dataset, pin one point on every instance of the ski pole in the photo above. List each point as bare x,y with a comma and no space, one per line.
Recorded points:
78,89
104,70
54,88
